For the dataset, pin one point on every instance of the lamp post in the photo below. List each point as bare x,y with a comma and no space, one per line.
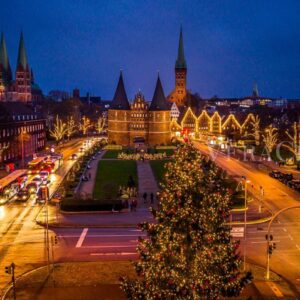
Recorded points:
245,218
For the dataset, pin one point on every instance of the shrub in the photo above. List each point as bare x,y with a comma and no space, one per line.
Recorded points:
77,205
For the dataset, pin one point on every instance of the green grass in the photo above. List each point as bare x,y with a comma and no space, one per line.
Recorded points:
111,175
158,169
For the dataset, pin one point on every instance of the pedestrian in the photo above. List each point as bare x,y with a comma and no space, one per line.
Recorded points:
90,175
134,204
145,197
151,198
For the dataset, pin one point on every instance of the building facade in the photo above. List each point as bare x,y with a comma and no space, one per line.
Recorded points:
23,88
22,131
148,124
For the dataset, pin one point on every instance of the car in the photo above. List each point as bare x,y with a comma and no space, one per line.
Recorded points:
37,180
74,156
294,184
275,174
22,195
32,187
44,174
285,178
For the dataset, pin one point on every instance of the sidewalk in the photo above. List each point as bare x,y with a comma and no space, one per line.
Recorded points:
147,184
102,279
86,187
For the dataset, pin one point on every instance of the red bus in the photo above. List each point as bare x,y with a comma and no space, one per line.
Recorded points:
11,184
36,165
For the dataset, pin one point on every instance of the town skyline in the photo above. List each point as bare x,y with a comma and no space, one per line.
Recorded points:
219,61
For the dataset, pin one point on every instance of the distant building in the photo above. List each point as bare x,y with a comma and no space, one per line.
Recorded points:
23,88
20,125
58,96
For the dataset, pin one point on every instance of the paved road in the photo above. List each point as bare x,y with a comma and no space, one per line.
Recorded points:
21,240
286,232
91,244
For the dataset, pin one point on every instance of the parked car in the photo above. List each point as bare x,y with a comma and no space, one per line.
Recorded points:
294,184
275,174
285,178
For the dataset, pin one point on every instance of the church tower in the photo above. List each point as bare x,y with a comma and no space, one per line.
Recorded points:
179,94
23,74
5,70
119,116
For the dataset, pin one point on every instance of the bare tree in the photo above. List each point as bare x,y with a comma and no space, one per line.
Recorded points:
101,122
71,127
256,130
59,129
270,137
294,144
85,124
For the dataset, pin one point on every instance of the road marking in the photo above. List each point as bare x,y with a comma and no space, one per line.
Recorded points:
82,237
275,289
297,247
120,253
291,238
284,229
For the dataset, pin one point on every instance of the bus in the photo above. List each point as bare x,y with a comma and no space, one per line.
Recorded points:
36,165
11,184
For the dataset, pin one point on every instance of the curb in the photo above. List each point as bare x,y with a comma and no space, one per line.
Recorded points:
253,222
9,286
54,225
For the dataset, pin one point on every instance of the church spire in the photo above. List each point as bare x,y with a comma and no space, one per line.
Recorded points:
22,56
159,100
4,61
255,90
120,100
180,61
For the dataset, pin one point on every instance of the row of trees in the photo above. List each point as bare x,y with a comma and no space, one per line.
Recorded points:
270,137
68,128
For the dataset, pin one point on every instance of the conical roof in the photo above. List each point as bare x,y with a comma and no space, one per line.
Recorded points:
180,61
4,61
159,101
22,56
120,100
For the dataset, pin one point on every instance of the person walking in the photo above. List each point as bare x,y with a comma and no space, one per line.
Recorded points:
145,197
151,198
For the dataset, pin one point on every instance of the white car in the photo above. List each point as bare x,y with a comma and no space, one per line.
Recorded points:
44,174
37,181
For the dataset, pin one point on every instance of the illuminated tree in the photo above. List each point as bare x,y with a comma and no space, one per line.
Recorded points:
256,130
85,124
270,138
294,144
59,129
188,253
71,127
100,124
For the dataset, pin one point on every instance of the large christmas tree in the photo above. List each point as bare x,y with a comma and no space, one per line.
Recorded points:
188,253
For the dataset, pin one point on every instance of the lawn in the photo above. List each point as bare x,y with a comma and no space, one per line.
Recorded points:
111,174
158,169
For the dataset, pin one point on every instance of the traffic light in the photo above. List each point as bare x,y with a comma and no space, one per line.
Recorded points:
270,249
8,269
55,239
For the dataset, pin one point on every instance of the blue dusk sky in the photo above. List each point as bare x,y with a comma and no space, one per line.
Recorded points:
228,44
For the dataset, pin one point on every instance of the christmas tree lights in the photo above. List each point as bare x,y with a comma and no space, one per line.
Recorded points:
188,253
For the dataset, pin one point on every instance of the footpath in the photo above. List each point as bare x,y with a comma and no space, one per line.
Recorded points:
100,280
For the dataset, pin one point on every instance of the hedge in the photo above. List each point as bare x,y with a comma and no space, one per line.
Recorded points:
89,205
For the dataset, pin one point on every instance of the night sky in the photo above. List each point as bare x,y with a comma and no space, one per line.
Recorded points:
228,44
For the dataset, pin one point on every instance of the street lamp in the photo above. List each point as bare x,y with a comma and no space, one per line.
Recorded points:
245,217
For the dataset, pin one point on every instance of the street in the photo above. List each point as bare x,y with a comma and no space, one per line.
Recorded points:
285,259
